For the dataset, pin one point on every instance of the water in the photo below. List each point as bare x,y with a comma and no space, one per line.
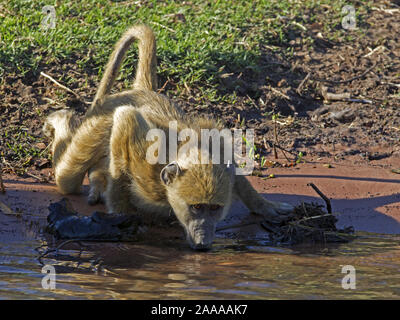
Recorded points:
233,269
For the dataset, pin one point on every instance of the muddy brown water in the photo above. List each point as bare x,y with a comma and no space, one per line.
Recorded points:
241,265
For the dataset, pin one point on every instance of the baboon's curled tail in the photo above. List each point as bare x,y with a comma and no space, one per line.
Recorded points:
80,148
146,73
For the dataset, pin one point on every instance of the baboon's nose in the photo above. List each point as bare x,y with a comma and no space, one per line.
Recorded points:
201,244
200,240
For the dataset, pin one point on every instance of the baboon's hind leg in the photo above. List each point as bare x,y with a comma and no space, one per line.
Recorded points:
75,151
60,126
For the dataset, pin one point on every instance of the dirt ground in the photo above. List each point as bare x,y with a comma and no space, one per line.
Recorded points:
366,196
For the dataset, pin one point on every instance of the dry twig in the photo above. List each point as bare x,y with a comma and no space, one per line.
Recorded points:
301,85
334,96
7,210
2,188
63,87
58,248
346,96
374,50
36,177
279,147
280,93
163,87
326,199
397,85
275,139
162,26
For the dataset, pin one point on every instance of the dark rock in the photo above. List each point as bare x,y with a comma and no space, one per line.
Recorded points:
65,223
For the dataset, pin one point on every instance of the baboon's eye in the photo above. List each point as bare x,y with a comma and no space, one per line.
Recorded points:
197,206
214,207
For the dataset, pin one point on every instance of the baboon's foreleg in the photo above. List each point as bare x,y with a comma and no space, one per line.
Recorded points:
271,210
118,195
124,131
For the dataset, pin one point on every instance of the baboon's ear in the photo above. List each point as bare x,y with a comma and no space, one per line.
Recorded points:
170,172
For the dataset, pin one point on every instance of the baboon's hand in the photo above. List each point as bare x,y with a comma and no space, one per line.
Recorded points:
275,211
283,208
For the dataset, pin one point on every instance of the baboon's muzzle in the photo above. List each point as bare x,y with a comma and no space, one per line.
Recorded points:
200,235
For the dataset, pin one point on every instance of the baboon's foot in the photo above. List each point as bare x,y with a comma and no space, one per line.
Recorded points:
94,197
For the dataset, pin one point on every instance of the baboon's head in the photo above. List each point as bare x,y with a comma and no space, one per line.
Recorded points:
200,195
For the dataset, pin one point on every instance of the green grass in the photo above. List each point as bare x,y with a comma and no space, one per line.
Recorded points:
216,37
213,39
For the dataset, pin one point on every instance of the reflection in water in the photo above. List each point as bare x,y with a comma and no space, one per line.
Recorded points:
233,269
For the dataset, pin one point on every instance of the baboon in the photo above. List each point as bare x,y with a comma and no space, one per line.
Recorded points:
110,144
